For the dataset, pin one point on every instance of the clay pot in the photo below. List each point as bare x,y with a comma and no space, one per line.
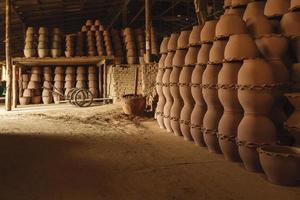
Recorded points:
59,84
295,5
59,77
81,70
191,56
92,77
47,85
216,54
194,38
81,85
92,69
183,40
133,104
236,11
24,100
48,77
161,98
272,46
35,77
58,70
169,98
290,24
43,53
47,70
55,53
27,93
179,58
281,164
92,84
30,30
29,53
81,77
230,24
254,9
259,25
239,3
69,54
227,3
36,99
33,85
169,59
207,34
43,30
47,99
25,77
172,44
275,8
203,54
56,31
24,84
293,121
69,77
36,70
234,51
161,63
295,43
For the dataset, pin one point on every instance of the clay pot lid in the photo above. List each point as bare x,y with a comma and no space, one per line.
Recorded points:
283,151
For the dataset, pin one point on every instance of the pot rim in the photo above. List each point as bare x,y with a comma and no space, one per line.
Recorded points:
271,35
282,151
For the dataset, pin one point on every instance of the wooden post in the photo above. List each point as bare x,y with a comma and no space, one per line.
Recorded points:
136,83
100,79
8,99
15,87
148,30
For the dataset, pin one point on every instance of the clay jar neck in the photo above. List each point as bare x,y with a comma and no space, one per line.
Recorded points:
203,54
191,56
196,84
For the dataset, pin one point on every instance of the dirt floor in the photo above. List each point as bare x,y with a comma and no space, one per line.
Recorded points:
66,153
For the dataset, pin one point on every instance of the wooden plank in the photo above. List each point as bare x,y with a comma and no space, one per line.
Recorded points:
148,29
15,88
8,99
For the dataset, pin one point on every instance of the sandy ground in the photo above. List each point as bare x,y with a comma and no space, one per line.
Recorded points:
67,153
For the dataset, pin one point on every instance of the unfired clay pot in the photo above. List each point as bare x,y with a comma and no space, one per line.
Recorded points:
253,9
240,47
207,34
272,46
183,40
172,43
216,54
191,56
290,24
254,79
259,25
295,5
275,8
203,54
214,107
194,39
281,164
230,24
227,3
233,112
238,3
161,98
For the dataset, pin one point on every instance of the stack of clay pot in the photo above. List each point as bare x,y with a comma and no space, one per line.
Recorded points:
91,43
59,79
30,43
129,41
47,85
140,41
81,77
159,113
92,80
236,7
154,49
70,46
117,45
172,46
43,45
70,79
108,43
100,43
207,36
25,98
274,10
80,46
56,43
177,65
35,85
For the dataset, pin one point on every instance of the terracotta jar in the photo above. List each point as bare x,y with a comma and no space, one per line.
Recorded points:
178,63
295,5
172,43
295,43
234,51
207,34
194,39
259,25
236,11
293,122
164,45
295,77
216,54
183,40
227,3
255,79
239,3
233,112
230,24
203,54
272,46
161,98
275,8
214,107
253,9
191,56
281,164
290,24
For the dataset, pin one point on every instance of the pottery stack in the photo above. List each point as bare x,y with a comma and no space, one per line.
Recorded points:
35,85
81,77
30,43
56,43
100,43
70,79
58,83
236,7
117,46
108,43
130,45
177,65
80,44
154,48
92,80
47,85
159,113
43,43
25,98
172,46
70,46
91,43
207,36
140,42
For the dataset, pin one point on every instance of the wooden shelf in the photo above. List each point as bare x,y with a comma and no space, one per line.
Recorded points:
61,61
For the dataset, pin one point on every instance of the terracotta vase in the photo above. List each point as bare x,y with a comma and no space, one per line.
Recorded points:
230,24
295,5
178,63
227,3
194,39
290,24
239,3
275,8
254,79
234,51
253,9
214,107
293,122
183,40
161,98
191,56
259,25
172,43
216,54
295,77
203,54
200,108
236,11
295,43
207,34
281,164
233,112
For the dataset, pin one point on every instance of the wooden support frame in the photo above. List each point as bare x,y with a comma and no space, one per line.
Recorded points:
8,96
148,30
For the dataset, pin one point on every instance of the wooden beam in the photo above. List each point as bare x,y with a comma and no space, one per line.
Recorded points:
118,14
8,99
171,7
148,29
137,15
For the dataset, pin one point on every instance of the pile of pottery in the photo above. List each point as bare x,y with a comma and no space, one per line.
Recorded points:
47,85
100,43
56,43
108,43
92,80
81,77
35,85
117,45
25,98
70,79
70,46
30,43
141,48
59,79
129,41
80,46
43,43
91,44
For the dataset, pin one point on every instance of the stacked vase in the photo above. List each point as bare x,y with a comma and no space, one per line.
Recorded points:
30,43
92,81
70,45
207,36
35,85
100,43
43,43
129,41
56,43
58,83
108,43
91,44
47,85
177,65
117,45
172,46
154,49
236,7
80,47
159,113
70,79
25,98
81,77
140,41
